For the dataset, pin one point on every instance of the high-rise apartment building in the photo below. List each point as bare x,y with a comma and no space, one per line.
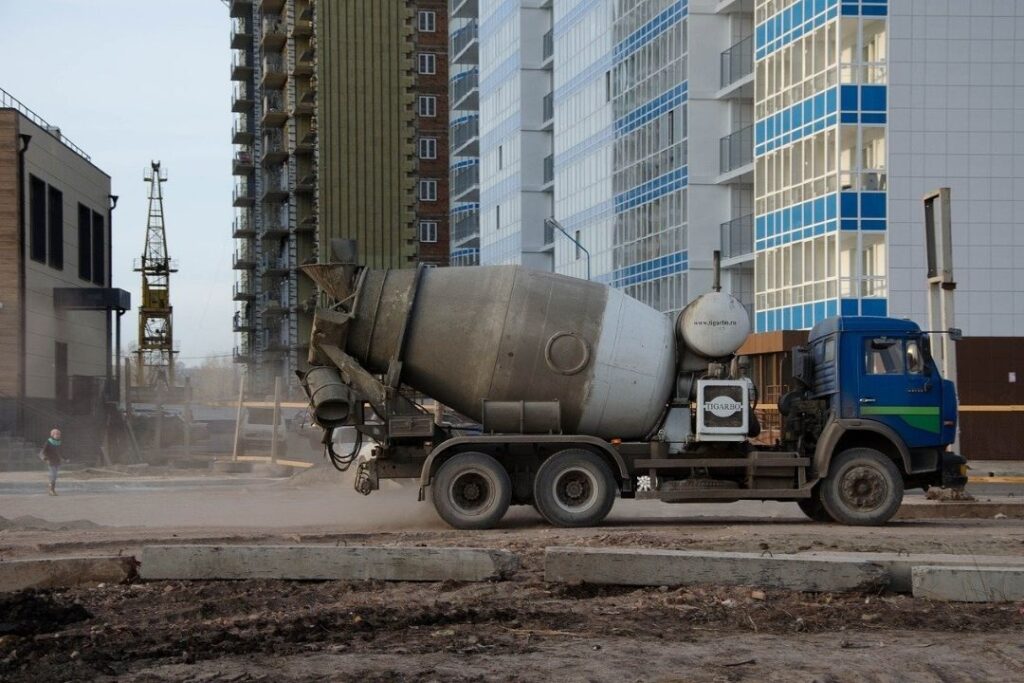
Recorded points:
464,137
334,138
796,136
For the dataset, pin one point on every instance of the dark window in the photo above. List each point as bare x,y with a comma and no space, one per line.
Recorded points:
56,228
37,219
99,252
84,242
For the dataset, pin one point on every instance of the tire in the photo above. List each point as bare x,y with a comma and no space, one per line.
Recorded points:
471,491
863,488
574,488
814,508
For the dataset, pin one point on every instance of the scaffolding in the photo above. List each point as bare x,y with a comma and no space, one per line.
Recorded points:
155,353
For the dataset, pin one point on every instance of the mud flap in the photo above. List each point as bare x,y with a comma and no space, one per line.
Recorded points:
954,470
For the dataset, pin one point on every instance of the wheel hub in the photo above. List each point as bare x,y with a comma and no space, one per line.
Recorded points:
863,488
470,491
575,489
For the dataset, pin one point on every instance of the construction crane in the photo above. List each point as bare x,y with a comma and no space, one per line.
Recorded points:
155,353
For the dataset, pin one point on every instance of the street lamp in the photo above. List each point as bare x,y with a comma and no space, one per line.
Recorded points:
554,224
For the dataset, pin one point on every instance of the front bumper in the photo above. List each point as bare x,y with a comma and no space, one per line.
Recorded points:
954,471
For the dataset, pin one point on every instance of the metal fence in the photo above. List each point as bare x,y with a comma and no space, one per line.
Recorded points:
9,101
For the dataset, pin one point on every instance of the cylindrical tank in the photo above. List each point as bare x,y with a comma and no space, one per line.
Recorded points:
507,333
714,325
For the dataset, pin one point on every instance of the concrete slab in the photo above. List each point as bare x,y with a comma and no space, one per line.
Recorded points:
969,584
313,562
655,567
63,572
900,565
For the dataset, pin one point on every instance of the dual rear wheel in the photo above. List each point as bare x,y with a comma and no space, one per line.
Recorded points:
572,488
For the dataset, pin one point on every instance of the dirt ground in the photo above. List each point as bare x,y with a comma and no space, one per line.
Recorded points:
517,630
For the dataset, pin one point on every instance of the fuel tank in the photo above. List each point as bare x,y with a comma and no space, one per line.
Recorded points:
507,333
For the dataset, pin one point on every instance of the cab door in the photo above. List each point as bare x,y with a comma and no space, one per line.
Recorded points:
899,389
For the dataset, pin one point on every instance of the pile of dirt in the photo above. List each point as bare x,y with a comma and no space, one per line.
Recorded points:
29,614
32,523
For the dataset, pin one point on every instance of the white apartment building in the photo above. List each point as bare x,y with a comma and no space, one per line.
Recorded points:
796,136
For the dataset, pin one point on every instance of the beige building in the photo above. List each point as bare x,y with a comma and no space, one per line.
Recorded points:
57,306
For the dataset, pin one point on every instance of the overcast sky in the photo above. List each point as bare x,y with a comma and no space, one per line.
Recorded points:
134,80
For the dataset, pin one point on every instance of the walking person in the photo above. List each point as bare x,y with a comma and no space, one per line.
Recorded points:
50,454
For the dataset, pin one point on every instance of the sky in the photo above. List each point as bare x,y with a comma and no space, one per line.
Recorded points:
131,81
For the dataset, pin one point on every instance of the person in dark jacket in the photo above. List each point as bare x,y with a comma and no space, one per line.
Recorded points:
50,454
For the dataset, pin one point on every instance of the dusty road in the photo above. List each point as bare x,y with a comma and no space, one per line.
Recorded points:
519,630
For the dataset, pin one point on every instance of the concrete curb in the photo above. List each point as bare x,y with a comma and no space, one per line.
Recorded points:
648,567
311,562
901,566
969,584
955,509
64,572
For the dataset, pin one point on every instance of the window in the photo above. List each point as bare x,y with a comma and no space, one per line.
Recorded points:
428,231
427,22
579,249
37,219
428,148
55,228
99,253
60,373
427,63
428,190
497,217
426,105
884,356
84,242
501,157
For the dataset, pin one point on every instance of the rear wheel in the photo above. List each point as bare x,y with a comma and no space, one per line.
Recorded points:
471,491
863,487
814,508
574,488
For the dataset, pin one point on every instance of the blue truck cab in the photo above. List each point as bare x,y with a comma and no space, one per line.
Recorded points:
871,404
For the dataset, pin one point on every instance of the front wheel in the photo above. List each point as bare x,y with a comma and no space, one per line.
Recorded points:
574,488
471,491
863,488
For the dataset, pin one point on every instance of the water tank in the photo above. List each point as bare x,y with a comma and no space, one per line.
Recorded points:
507,333
714,325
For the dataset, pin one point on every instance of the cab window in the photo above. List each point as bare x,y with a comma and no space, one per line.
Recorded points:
883,356
915,357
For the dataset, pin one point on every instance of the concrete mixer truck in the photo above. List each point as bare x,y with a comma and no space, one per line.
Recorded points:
575,393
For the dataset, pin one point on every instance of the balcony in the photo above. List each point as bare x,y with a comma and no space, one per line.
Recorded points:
461,9
305,182
274,75
305,99
305,135
242,323
738,237
243,355
549,46
241,132
241,34
275,266
274,33
302,27
275,188
463,92
549,169
241,99
245,258
465,181
464,45
736,150
464,136
465,224
737,62
242,227
274,150
241,67
243,291
242,163
274,114
271,6
548,111
240,8
242,197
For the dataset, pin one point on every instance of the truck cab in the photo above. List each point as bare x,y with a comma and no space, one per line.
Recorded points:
879,390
